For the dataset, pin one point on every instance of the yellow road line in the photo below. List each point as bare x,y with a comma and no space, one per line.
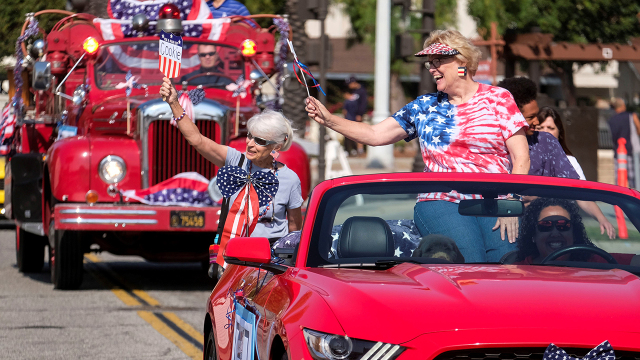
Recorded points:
168,333
124,295
93,258
183,325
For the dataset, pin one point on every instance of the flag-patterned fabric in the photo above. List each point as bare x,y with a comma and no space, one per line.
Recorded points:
184,189
438,49
470,137
231,179
603,351
210,29
254,191
7,128
190,10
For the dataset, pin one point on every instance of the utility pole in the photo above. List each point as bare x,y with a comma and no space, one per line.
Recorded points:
382,156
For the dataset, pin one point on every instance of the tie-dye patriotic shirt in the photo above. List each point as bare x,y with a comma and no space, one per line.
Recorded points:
469,137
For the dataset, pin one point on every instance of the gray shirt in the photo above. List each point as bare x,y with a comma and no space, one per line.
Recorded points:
289,196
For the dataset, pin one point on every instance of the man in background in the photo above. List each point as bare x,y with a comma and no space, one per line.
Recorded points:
626,125
355,106
210,69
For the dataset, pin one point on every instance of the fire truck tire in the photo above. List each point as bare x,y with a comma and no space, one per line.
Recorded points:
29,251
66,261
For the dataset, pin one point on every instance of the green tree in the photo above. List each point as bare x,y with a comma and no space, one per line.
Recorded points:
362,14
576,21
12,17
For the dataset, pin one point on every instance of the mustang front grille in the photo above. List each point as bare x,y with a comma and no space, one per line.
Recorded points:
171,154
522,353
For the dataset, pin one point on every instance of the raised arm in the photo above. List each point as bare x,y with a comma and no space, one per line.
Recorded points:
208,148
386,132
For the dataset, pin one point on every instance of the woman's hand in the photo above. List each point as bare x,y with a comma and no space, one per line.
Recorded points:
168,92
317,111
508,225
605,225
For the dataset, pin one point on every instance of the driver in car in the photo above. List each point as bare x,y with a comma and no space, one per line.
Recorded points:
211,68
550,224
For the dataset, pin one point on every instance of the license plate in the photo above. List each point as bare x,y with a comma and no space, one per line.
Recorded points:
187,219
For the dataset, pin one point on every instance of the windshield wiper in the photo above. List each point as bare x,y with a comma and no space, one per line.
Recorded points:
392,263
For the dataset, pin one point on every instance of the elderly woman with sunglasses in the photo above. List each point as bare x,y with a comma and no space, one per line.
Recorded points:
550,224
269,133
463,127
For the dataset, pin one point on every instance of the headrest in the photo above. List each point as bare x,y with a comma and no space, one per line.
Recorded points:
363,236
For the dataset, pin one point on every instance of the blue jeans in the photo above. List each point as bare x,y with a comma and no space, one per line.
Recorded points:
473,235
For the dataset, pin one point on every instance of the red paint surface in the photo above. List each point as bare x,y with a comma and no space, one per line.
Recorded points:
431,309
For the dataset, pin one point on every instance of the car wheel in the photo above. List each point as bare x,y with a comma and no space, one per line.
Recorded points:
29,251
65,259
210,352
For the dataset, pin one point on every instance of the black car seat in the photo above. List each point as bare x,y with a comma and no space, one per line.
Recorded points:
509,258
364,236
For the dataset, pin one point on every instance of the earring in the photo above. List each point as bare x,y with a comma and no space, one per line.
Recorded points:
462,71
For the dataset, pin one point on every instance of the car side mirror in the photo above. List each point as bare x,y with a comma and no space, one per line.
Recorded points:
251,251
41,75
491,208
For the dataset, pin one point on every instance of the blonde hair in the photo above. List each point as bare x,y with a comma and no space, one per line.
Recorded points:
469,53
272,125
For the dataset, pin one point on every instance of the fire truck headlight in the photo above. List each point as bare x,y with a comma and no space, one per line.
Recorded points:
112,169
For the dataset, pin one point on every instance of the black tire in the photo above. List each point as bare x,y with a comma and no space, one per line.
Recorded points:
210,351
65,260
29,251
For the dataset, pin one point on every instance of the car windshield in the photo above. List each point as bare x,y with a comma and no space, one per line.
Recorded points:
374,225
205,64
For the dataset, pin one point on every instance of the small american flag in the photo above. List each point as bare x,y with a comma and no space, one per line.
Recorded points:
170,50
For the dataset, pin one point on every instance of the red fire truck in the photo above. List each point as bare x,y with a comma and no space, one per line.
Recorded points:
81,141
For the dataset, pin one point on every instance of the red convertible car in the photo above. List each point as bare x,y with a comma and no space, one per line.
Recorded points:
361,281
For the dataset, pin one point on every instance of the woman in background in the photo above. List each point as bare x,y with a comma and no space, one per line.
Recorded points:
550,121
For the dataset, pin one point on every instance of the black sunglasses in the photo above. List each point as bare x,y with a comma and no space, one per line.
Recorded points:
547,225
207,54
260,141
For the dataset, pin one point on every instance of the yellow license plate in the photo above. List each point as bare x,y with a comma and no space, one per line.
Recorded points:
187,219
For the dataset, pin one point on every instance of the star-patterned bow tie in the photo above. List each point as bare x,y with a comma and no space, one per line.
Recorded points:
603,351
231,179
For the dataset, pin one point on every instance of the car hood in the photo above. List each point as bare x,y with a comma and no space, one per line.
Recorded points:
411,299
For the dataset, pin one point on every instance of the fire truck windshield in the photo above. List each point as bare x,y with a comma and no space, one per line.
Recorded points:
206,64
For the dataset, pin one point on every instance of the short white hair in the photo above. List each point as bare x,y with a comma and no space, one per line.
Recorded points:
272,125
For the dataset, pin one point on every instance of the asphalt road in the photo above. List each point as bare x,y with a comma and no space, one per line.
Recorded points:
127,308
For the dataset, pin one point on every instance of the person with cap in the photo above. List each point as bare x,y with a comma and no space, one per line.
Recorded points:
465,126
355,106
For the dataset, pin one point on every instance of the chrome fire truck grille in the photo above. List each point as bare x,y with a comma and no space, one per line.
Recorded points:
171,154
522,353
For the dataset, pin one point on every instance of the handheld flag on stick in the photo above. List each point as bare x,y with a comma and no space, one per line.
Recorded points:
170,51
298,66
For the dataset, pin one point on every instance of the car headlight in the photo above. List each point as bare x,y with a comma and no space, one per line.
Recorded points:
323,346
112,169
